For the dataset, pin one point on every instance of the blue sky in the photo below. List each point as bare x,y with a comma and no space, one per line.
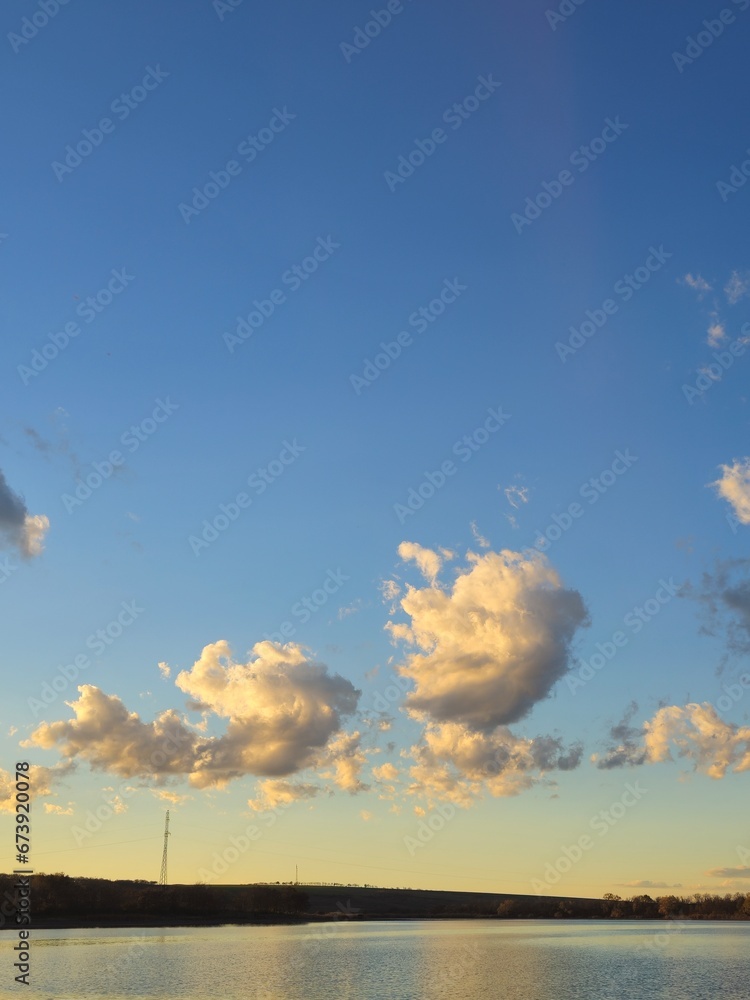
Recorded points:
342,456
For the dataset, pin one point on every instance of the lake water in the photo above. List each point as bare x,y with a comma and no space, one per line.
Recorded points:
404,960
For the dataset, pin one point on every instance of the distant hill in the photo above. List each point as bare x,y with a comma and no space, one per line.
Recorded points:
63,901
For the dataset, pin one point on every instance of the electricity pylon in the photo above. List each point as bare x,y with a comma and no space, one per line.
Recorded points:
163,873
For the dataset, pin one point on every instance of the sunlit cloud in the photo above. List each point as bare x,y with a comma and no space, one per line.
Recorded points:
487,648
385,772
273,793
174,798
429,562
493,644
734,486
348,758
55,810
454,763
283,714
43,781
694,733
282,709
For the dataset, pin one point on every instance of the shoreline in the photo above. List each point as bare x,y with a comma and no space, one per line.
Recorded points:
119,923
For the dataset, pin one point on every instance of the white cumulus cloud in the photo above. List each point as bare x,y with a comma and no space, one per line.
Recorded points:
491,646
283,714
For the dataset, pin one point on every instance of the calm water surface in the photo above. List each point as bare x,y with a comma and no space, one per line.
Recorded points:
460,960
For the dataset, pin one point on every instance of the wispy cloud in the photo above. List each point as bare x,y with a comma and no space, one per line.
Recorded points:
693,733
625,744
737,287
164,795
478,537
516,495
55,810
724,599
742,872
350,609
697,283
646,883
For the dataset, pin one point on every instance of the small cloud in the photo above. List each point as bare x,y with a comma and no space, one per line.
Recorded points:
116,802
21,530
479,538
390,590
173,797
38,441
366,815
625,744
645,883
13,730
429,562
165,670
716,334
42,779
351,609
273,793
386,772
132,516
55,810
742,872
734,486
516,495
697,283
737,286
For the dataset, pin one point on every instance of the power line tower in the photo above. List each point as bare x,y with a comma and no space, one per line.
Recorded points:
163,873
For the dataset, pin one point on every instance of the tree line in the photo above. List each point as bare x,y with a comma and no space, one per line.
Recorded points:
62,897
59,898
